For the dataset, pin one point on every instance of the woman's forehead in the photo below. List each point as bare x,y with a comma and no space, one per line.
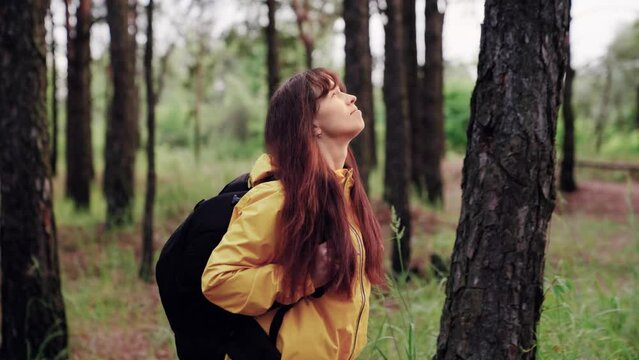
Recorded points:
325,84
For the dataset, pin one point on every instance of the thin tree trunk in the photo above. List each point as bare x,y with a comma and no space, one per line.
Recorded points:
358,69
603,111
54,101
272,56
164,60
412,93
199,96
120,142
567,176
302,17
33,315
495,289
637,109
146,265
433,111
397,168
79,151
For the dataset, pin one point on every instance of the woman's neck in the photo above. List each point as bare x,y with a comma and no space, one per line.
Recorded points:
333,153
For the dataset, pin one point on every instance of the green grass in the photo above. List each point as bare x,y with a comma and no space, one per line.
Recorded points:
590,309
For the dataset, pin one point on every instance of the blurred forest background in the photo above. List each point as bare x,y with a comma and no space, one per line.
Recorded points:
214,66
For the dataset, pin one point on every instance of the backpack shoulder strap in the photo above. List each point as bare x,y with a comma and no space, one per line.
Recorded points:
276,323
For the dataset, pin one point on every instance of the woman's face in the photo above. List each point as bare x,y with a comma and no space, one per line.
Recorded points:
338,117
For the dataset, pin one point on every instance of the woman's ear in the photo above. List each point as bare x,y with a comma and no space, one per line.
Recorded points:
317,132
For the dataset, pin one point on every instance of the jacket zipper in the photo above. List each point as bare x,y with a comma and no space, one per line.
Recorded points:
361,281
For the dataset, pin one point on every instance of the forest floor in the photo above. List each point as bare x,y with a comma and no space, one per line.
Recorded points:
112,315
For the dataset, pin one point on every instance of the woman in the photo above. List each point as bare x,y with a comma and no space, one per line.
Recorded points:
313,227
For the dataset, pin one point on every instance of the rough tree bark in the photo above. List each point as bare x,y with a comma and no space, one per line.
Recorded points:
79,151
33,316
272,56
146,264
567,175
495,288
120,143
397,167
412,90
357,78
133,53
54,100
433,110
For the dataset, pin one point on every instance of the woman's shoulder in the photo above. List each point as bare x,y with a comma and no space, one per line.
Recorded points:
269,193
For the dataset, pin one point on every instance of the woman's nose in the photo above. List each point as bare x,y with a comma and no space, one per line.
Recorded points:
353,98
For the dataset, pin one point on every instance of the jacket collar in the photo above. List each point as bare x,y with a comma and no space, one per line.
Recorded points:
263,165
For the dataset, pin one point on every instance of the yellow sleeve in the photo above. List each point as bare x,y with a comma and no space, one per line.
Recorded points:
239,275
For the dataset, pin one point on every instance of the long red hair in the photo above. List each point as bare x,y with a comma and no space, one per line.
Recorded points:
314,209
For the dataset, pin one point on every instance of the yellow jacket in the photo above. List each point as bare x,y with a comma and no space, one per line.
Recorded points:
241,278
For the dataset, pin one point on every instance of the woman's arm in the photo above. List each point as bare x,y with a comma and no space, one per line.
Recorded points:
240,276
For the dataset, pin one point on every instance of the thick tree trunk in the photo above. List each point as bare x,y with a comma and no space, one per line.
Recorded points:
567,176
358,69
54,101
133,53
120,142
146,264
495,288
433,110
79,151
272,56
412,91
33,316
397,168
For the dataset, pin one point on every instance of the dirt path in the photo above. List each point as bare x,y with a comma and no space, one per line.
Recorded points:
602,200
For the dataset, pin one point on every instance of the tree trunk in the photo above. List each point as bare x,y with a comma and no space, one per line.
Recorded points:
133,53
199,97
397,169
358,68
433,111
412,91
637,109
271,43
146,265
603,110
120,142
33,316
567,176
495,288
301,15
79,151
54,100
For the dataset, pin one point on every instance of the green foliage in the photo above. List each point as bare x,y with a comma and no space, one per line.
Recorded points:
456,114
617,143
398,234
621,60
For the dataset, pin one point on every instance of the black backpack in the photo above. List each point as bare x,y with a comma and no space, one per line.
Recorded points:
202,329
